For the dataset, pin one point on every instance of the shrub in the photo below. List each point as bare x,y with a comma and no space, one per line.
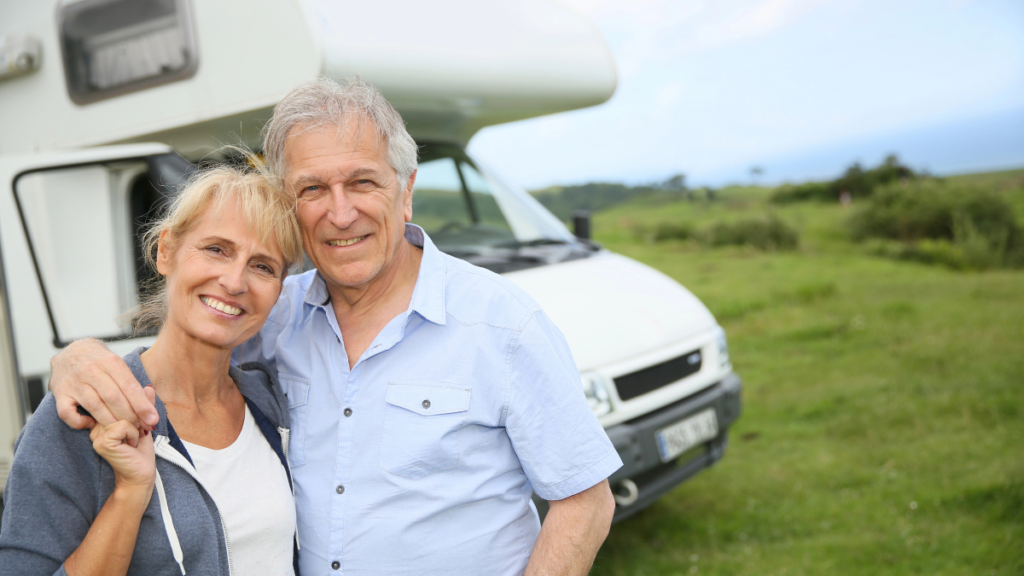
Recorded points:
672,231
769,233
959,226
765,233
860,183
788,193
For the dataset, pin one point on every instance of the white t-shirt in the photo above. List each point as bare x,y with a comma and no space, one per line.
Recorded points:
250,488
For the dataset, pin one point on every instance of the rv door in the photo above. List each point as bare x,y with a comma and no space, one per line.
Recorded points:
71,260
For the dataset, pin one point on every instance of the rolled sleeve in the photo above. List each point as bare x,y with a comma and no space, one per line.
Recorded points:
561,445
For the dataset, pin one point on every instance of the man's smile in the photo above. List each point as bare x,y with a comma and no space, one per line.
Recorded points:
349,242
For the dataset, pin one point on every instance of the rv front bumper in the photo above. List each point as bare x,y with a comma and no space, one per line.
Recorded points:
643,477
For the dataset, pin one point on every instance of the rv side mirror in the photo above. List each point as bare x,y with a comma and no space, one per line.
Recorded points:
581,224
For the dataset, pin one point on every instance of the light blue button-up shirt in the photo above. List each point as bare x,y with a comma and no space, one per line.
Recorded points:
422,457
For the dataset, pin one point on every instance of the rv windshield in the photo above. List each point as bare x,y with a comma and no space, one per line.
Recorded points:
467,211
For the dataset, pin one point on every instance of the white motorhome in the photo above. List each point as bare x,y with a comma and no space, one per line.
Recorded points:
105,105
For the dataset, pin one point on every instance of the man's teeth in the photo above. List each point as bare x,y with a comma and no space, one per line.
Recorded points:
217,304
348,242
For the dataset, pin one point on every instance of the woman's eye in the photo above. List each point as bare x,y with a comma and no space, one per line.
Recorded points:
265,269
214,249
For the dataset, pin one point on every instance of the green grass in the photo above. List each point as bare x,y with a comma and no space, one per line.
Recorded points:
883,424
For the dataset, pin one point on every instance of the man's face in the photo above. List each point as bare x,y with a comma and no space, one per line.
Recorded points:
351,207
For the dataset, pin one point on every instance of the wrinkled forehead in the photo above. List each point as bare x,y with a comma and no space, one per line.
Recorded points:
351,133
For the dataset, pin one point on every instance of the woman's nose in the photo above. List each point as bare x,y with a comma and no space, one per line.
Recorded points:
233,278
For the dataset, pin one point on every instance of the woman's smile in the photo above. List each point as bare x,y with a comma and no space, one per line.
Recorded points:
221,306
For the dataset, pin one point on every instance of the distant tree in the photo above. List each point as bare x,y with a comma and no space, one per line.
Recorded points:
676,183
755,173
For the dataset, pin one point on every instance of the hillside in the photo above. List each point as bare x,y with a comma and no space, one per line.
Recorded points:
883,402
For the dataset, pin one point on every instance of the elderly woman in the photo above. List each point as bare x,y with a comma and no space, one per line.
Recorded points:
209,490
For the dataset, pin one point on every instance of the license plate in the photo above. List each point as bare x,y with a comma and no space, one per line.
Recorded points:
685,434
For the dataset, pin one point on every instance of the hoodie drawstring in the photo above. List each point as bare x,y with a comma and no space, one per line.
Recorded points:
172,535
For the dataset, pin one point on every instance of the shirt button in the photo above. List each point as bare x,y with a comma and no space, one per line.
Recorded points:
348,412
335,565
426,403
340,489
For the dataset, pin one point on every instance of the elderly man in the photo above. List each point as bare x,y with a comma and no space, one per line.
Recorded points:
428,397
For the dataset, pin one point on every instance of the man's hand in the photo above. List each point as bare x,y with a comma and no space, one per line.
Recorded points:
89,375
573,531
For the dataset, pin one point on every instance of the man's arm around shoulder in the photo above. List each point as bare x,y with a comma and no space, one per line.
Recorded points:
88,374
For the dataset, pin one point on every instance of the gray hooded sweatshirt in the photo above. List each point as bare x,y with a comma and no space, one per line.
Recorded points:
58,484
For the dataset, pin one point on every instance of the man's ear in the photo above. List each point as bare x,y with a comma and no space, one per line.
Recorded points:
407,200
163,253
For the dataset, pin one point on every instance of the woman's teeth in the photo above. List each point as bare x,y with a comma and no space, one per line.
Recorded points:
348,242
218,305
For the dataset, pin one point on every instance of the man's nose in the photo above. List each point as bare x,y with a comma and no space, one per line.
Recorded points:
342,211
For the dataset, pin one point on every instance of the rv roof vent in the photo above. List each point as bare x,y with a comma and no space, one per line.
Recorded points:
111,47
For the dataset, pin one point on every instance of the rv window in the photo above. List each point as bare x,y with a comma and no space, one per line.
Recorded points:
111,47
79,225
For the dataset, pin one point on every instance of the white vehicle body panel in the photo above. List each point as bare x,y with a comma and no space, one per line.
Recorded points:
611,294
227,100
449,67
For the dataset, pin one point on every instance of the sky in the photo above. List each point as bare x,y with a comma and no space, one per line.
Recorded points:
799,88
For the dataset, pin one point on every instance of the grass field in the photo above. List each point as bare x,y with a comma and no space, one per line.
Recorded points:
883,424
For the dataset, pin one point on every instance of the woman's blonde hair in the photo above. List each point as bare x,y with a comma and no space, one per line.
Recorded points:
266,209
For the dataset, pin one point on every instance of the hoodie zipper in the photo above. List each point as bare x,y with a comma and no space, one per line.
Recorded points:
286,434
169,454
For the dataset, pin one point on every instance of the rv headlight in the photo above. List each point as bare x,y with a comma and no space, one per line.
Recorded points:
723,348
597,393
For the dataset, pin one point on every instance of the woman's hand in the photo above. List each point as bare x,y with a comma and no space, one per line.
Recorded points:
130,453
107,548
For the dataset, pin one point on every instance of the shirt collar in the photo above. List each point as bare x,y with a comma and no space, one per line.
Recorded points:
427,296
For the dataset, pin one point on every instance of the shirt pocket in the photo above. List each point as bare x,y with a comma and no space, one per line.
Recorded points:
297,391
419,435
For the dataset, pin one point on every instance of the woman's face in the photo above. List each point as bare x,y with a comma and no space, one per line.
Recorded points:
221,280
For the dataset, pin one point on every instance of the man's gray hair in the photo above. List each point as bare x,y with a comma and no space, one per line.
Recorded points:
326,102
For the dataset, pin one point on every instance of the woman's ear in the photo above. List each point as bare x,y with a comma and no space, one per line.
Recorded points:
163,253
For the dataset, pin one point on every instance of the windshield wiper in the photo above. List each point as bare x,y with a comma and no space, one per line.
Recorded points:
516,244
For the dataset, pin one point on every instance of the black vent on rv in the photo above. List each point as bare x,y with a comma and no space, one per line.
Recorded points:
651,378
111,47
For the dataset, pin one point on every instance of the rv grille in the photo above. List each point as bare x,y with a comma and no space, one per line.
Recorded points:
653,377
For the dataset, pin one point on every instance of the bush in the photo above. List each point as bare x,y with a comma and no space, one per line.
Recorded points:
787,193
941,252
672,231
860,183
959,226
764,233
